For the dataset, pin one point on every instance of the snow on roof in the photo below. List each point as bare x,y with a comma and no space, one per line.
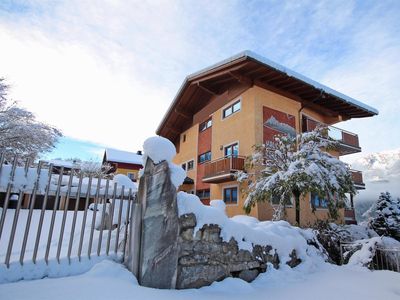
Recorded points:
63,163
123,156
290,73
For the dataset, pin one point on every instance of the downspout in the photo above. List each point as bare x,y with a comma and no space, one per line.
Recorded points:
297,193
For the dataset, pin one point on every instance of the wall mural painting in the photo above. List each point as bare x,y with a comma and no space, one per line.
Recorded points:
277,122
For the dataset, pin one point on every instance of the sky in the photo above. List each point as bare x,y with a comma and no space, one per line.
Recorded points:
106,73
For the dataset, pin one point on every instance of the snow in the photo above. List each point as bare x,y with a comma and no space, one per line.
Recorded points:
40,269
25,181
365,255
109,280
123,156
158,149
218,204
161,149
248,231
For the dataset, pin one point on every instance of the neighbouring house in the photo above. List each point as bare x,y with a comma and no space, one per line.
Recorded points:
124,162
221,112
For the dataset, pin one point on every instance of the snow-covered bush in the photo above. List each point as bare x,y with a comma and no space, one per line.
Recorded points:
331,235
386,219
366,253
296,166
20,133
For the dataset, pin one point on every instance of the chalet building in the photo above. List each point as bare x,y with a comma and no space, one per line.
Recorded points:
220,112
124,162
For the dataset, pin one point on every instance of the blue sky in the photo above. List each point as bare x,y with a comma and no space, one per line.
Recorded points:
106,73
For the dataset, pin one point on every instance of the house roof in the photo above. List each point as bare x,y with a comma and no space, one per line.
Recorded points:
121,156
249,68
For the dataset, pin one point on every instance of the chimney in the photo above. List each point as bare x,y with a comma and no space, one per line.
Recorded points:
139,152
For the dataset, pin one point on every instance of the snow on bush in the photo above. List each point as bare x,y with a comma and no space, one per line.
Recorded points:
365,255
161,149
248,231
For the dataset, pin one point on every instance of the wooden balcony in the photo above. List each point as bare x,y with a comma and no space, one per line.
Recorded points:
223,169
349,216
348,141
358,179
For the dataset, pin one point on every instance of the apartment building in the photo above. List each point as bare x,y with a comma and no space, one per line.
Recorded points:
221,112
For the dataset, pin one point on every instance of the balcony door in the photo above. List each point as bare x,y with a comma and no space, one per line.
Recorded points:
231,150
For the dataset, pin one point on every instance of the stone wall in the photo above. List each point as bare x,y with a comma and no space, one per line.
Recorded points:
204,258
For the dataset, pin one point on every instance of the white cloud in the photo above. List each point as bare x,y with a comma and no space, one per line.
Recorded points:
106,72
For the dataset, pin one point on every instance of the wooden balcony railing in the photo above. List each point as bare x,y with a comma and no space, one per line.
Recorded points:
350,216
348,141
358,179
222,169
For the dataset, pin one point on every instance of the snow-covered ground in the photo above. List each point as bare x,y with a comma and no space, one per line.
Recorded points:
109,280
54,269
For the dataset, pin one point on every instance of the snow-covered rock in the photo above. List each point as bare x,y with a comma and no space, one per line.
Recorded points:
248,231
160,149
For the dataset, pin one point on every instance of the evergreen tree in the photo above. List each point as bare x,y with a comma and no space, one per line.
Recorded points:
387,216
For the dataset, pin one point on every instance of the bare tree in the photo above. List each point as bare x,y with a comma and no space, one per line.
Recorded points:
20,132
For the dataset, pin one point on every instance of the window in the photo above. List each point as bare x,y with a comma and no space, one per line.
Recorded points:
232,150
235,107
287,201
184,138
207,124
231,195
203,194
132,176
189,165
204,157
318,202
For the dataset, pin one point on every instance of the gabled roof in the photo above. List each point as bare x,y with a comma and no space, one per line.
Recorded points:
122,156
252,69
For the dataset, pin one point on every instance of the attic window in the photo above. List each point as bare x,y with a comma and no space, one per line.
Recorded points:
231,109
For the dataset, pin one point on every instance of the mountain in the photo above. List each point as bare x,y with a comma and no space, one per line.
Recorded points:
381,173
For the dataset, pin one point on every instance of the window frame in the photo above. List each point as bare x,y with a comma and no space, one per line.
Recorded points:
207,124
230,108
230,146
201,194
291,201
134,176
230,188
206,160
185,165
312,202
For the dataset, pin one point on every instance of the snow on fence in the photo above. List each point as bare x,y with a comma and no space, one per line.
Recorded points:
375,257
49,214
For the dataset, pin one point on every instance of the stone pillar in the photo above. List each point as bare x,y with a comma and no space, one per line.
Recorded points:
154,253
